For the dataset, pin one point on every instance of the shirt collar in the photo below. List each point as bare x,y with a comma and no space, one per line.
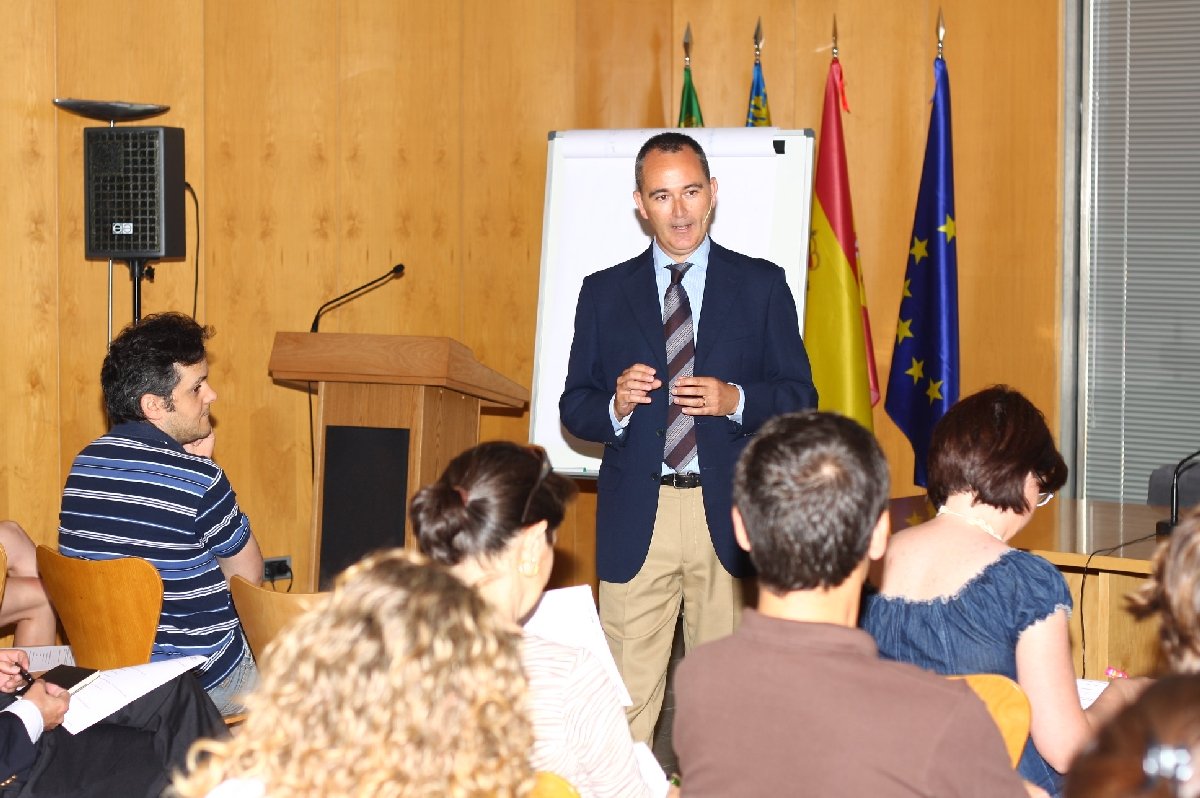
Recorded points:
144,430
698,258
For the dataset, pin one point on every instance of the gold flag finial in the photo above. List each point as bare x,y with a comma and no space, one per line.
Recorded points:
941,32
758,41
687,45
835,50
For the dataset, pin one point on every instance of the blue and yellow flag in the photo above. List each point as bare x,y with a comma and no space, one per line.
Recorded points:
759,113
923,383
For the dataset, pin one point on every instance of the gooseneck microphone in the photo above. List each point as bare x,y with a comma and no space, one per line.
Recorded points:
395,271
1166,527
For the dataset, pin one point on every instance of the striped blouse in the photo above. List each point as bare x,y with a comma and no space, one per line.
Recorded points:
579,725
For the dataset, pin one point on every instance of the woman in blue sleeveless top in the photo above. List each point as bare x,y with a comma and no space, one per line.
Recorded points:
953,597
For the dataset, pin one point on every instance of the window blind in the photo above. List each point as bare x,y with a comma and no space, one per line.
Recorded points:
1139,282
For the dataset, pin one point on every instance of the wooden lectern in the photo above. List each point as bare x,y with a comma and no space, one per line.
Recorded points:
427,389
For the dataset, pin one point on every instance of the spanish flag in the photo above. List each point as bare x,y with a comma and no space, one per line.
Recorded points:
837,330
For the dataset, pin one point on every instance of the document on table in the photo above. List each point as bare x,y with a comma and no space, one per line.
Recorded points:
567,616
1089,690
116,688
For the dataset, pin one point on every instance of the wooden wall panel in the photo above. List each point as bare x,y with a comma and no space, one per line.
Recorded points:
623,65
29,377
329,139
520,87
271,86
400,175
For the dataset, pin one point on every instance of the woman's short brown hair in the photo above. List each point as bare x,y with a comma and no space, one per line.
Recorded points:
987,444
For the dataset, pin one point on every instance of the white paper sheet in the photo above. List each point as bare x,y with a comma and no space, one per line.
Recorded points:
43,658
116,688
567,616
1089,690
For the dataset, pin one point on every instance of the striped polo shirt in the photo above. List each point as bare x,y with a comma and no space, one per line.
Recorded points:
135,492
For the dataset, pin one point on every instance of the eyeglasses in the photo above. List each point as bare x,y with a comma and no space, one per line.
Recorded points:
544,472
1044,498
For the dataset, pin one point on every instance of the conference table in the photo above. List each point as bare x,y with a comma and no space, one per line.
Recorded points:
1104,550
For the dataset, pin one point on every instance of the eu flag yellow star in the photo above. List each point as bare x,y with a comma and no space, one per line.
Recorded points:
906,292
934,391
914,519
917,371
903,330
920,249
948,229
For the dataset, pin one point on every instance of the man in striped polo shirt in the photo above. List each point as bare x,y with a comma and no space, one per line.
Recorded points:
150,489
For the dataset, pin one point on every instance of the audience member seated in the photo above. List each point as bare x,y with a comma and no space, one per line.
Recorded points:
955,598
1151,749
25,603
401,682
797,700
131,753
492,517
150,489
1173,594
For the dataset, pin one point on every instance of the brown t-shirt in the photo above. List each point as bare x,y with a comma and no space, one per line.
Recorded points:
788,708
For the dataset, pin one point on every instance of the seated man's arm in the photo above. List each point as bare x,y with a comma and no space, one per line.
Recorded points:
247,563
226,532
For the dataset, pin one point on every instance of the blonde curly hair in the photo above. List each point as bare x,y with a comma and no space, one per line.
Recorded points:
401,682
1173,594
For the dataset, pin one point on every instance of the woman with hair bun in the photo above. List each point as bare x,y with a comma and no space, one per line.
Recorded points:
491,518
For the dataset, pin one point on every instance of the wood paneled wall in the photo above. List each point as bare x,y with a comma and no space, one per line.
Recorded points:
330,139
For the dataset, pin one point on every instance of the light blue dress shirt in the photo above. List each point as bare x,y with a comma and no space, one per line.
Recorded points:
693,284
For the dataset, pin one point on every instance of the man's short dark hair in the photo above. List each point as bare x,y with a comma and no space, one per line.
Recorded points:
142,360
810,488
987,444
669,141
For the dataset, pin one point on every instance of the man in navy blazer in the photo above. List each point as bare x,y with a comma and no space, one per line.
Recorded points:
664,535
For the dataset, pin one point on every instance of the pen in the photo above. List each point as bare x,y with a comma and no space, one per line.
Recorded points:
28,680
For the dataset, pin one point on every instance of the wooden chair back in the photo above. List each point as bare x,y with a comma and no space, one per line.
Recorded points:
551,785
3,571
1008,706
264,612
109,609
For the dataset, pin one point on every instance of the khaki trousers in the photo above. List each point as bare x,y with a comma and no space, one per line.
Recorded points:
639,615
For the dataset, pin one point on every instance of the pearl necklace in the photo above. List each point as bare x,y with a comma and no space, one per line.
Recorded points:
978,523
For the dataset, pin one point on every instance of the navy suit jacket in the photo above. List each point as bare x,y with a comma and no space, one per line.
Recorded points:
748,335
17,752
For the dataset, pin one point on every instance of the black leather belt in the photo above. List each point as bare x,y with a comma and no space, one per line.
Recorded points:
680,480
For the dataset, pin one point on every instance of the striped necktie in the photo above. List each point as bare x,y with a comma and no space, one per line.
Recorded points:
680,447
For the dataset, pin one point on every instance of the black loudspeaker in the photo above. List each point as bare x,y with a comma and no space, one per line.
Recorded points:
133,193
364,497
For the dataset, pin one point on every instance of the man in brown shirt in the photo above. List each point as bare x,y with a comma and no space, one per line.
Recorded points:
797,701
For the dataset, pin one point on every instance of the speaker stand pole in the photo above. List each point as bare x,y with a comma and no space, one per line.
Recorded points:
139,270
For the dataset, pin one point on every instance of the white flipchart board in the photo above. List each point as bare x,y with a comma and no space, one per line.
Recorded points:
764,205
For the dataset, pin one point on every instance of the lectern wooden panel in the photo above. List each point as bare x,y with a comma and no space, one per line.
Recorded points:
432,387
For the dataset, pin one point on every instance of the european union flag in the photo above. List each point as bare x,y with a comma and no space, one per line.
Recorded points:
923,383
759,113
